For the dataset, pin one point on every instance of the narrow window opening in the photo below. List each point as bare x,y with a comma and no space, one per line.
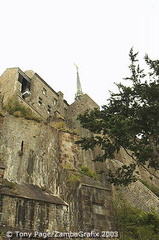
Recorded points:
48,109
55,101
44,91
25,85
22,146
40,101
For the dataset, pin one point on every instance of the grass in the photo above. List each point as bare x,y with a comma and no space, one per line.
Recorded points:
17,109
68,166
87,172
74,179
61,125
1,115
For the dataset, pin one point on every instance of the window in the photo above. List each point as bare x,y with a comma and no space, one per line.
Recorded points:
24,86
48,109
40,101
22,146
54,101
44,91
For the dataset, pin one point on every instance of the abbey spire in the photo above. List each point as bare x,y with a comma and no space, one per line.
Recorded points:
79,92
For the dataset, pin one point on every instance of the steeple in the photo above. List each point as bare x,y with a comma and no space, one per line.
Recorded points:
79,92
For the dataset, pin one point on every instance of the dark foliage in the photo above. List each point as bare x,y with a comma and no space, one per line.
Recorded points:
129,120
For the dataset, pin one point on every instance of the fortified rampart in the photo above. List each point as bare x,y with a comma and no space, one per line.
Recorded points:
42,186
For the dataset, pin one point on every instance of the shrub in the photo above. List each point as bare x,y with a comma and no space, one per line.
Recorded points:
86,171
135,224
17,109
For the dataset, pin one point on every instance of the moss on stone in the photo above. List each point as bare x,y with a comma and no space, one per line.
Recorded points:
88,172
15,108
74,179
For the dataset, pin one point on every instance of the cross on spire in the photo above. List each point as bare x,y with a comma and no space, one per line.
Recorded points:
79,92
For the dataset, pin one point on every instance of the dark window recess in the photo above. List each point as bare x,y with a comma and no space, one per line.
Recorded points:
48,109
25,85
44,91
55,101
40,101
22,146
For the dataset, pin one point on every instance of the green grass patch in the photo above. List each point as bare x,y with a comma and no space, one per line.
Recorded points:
61,125
74,179
86,171
17,109
1,115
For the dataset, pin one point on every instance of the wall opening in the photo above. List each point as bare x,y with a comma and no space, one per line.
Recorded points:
22,146
25,85
40,101
48,109
44,91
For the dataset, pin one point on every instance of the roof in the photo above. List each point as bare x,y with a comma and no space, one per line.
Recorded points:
31,192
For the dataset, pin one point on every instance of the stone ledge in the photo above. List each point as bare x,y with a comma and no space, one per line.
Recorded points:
32,192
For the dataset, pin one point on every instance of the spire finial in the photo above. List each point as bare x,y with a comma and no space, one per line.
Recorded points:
79,92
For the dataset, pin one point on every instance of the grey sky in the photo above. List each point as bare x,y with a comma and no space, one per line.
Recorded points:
49,36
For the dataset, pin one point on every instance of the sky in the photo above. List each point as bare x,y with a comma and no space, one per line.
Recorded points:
49,36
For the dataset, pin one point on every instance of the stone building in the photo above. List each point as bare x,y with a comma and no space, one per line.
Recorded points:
33,91
41,185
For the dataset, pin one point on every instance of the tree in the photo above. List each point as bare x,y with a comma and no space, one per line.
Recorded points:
130,120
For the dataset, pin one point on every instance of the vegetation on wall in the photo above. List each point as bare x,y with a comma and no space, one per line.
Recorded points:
61,125
69,166
74,179
17,109
134,224
129,120
152,188
1,115
87,172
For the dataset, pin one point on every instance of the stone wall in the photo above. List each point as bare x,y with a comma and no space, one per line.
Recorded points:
44,99
78,107
27,214
139,196
97,211
36,155
8,83
33,152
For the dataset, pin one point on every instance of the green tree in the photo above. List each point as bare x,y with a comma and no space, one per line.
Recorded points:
130,120
135,224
